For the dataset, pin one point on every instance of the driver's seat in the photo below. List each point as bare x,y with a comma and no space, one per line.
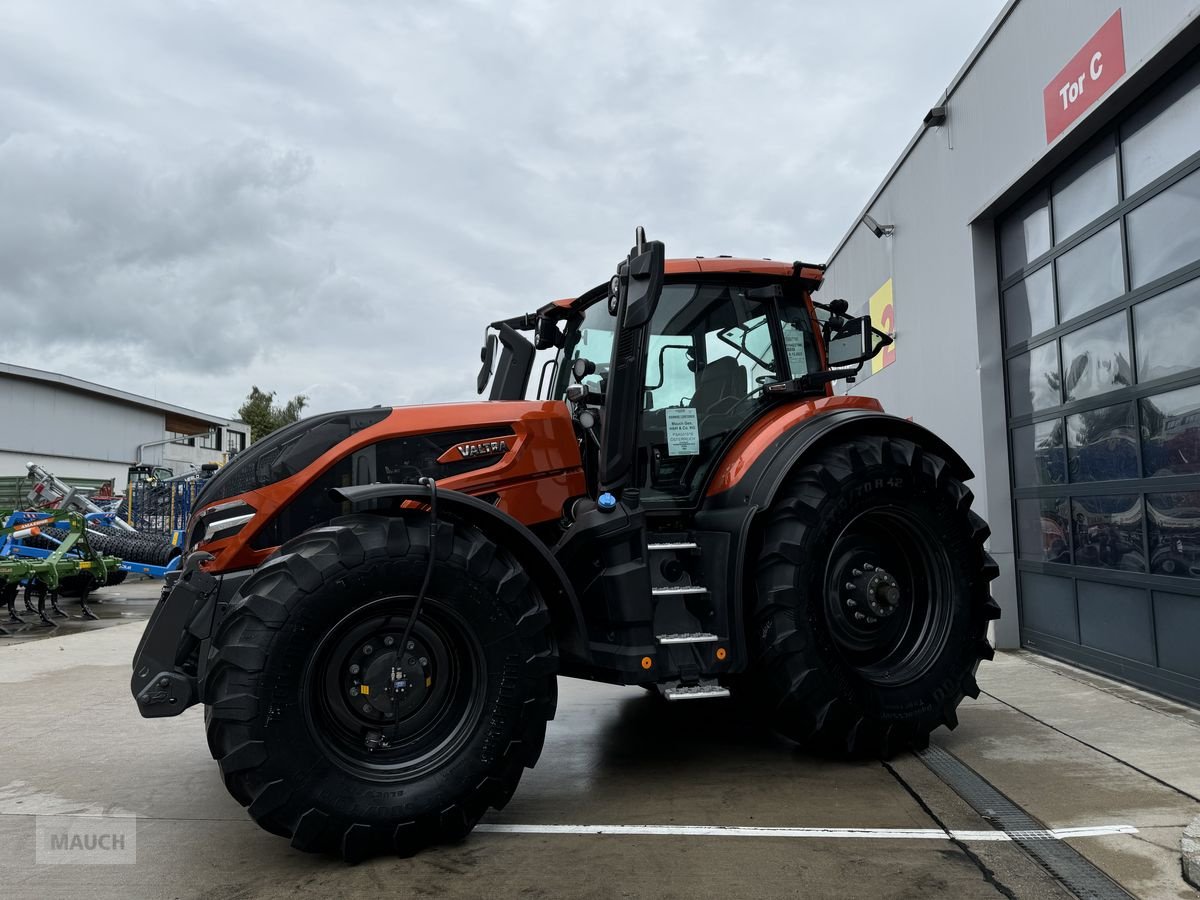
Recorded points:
720,386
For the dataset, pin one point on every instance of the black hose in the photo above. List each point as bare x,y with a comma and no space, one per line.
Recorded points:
416,610
433,523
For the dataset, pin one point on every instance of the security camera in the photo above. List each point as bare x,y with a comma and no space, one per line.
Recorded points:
877,229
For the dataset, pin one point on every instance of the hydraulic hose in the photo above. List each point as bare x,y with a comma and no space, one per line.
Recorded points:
416,610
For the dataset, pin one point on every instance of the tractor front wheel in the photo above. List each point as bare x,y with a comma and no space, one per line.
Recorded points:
872,605
344,735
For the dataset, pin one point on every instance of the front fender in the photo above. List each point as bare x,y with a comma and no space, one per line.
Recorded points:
505,531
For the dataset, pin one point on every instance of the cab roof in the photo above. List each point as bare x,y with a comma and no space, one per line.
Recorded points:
810,272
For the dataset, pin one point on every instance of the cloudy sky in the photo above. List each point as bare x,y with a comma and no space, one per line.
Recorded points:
334,198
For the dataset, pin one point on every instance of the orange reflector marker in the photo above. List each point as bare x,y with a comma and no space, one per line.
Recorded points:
721,653
647,662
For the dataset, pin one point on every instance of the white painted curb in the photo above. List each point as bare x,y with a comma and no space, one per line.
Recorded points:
1189,845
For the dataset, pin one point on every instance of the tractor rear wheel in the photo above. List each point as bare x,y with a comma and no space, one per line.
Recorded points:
339,738
871,606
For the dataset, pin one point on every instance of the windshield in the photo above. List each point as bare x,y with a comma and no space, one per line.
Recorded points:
698,324
591,338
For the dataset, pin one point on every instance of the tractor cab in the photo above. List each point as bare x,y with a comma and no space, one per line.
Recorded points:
714,345
145,472
724,340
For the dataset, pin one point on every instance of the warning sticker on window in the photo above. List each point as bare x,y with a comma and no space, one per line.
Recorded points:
794,341
683,431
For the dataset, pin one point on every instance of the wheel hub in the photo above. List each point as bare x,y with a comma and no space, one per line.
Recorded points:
871,594
383,683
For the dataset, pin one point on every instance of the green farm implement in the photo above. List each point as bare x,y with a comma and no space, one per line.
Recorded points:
45,573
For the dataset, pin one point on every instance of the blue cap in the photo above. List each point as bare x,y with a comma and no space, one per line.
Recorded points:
606,501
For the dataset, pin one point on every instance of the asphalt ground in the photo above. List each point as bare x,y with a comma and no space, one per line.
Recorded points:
633,797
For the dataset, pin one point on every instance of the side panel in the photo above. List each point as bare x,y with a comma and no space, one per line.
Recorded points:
535,472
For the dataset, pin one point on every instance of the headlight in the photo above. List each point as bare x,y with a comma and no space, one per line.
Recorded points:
219,521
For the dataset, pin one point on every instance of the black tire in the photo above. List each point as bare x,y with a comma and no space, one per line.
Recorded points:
291,747
851,659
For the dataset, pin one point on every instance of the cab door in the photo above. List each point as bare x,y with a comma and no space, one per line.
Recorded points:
713,347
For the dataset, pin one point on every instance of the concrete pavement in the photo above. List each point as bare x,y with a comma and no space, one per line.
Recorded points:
1072,749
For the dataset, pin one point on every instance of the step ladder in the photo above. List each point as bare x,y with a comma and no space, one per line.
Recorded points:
706,690
674,598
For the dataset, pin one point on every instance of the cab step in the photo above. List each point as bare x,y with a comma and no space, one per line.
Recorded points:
705,690
678,591
696,637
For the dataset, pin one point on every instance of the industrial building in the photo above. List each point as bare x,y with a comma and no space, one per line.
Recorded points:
87,433
1036,252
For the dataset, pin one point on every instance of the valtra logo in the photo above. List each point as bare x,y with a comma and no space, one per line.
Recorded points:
481,448
476,449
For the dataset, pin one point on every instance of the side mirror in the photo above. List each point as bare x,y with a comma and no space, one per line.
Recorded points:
854,343
546,335
850,345
487,356
634,292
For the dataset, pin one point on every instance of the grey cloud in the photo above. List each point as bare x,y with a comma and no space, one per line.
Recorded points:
202,196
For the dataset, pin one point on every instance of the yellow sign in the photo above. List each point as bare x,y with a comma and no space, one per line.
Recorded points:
883,317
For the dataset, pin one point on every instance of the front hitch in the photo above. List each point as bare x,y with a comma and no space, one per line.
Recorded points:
160,684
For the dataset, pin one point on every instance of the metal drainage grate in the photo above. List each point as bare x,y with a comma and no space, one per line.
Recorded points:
1058,858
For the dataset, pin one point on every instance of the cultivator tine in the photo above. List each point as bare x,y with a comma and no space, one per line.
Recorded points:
28,595
41,607
10,600
83,603
56,610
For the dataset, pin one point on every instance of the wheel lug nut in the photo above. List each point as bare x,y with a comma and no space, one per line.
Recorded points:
354,691
366,707
856,573
368,649
871,620
868,567
859,616
849,585
423,661
355,669
850,602
388,641
410,646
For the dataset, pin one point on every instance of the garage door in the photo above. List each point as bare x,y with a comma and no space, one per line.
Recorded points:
1100,289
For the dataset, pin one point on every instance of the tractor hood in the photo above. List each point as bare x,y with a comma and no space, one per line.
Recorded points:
450,433
504,448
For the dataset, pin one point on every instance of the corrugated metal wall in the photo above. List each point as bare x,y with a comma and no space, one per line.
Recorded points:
43,419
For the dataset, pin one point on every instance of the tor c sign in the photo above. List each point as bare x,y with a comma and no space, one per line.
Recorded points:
1083,81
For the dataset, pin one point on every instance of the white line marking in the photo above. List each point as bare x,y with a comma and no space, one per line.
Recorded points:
923,834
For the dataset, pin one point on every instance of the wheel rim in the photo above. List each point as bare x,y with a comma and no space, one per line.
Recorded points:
888,596
387,712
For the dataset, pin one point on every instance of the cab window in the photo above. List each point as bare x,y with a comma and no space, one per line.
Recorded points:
712,350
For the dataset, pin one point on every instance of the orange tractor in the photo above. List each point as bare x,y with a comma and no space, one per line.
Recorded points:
376,604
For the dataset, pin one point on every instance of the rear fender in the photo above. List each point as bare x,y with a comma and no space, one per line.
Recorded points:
765,475
505,531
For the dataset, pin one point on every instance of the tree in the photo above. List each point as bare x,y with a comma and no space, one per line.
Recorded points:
263,416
